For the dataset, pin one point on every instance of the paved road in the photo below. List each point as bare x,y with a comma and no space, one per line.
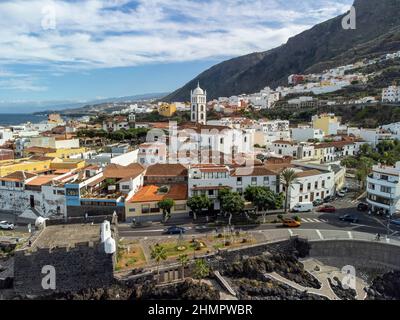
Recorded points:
311,220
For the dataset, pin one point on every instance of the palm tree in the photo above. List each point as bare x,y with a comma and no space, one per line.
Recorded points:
287,178
158,254
183,260
201,269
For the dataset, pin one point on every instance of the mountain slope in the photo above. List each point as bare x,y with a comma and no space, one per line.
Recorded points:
325,45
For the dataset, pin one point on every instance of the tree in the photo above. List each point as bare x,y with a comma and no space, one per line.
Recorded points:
158,254
201,269
288,177
232,203
263,198
183,260
197,204
166,206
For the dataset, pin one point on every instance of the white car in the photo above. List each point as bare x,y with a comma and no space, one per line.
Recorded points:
6,225
340,194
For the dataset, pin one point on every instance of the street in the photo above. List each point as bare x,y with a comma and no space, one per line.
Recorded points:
311,220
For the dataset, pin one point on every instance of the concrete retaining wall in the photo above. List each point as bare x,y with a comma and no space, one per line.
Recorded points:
365,254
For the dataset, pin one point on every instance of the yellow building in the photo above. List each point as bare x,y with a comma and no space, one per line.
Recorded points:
70,164
54,153
167,109
30,165
327,122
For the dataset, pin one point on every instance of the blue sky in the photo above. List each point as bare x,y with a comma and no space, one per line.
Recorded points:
83,50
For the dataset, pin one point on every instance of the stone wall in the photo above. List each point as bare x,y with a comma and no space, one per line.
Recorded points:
84,266
79,211
362,254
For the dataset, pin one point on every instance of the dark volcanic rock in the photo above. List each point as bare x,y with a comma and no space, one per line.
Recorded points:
269,290
385,287
340,291
285,265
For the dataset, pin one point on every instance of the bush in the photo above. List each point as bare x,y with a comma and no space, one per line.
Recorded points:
297,218
280,217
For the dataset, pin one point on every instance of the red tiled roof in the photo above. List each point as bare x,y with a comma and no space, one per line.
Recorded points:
150,193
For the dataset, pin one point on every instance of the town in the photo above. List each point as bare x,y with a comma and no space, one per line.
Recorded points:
235,152
216,182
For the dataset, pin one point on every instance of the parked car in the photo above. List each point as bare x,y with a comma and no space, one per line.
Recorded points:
291,223
329,199
174,230
362,206
6,225
318,202
303,207
327,208
349,218
340,194
395,222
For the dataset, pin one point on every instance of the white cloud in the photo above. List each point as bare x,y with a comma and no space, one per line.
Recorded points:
108,33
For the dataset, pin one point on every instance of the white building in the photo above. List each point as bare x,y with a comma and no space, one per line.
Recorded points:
5,135
304,133
292,149
152,153
383,188
391,94
311,184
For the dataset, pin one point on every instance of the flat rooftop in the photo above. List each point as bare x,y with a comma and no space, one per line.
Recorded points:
66,235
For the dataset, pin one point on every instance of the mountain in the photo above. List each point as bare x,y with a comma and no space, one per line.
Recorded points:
324,46
67,107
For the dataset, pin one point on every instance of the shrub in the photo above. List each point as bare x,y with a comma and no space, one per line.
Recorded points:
297,218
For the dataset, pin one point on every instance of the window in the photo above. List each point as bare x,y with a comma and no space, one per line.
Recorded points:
384,177
323,183
266,180
239,180
316,185
301,188
73,192
371,186
132,209
253,180
300,199
308,186
386,189
145,208
210,192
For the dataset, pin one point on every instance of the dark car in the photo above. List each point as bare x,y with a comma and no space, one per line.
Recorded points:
174,230
317,202
329,199
349,218
327,208
395,222
362,206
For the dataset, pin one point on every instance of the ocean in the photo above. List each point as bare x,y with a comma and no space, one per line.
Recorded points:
16,119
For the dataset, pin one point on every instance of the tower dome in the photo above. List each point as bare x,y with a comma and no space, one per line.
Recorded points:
198,90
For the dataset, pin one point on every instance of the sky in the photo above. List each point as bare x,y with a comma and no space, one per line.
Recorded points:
70,50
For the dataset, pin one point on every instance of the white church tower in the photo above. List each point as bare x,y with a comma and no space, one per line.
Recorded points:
198,98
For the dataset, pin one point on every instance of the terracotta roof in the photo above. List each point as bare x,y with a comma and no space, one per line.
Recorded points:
150,193
253,171
121,172
284,142
40,150
279,167
41,180
18,176
308,173
336,144
167,169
